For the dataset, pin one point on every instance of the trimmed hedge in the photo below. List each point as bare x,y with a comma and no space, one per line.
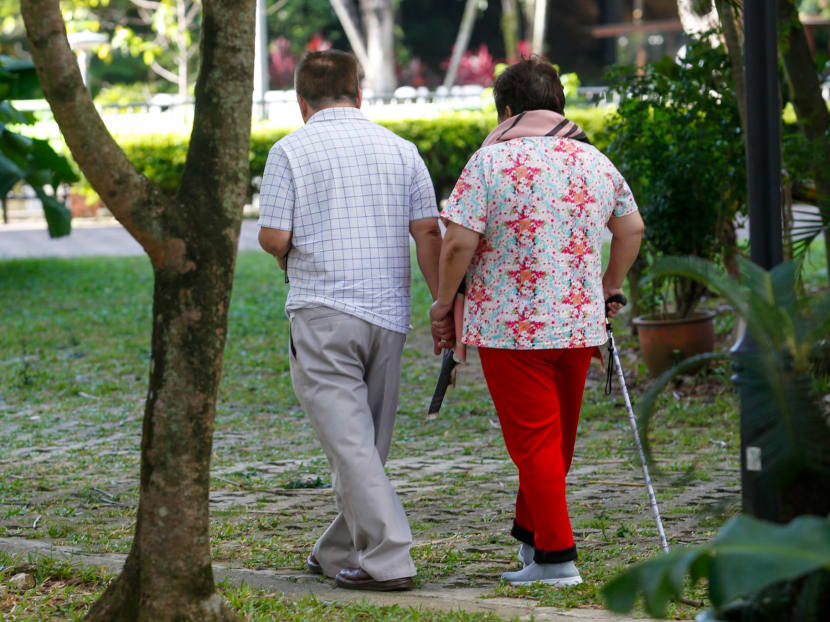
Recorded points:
445,143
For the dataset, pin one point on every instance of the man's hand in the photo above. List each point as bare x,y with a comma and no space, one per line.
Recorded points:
613,307
442,326
283,261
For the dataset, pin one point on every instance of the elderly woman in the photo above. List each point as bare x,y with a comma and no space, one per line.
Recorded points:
525,222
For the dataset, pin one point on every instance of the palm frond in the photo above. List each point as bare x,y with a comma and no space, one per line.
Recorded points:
751,298
808,225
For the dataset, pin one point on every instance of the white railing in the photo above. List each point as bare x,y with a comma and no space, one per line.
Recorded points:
166,113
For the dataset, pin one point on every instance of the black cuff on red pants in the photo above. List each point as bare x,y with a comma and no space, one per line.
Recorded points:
521,534
554,557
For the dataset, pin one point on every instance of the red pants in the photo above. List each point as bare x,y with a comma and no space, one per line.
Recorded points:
538,395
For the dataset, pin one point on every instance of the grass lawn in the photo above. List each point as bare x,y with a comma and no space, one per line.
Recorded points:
74,357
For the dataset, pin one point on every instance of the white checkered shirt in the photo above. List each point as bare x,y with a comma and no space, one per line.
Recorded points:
347,189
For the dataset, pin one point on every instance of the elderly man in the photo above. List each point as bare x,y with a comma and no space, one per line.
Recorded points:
339,200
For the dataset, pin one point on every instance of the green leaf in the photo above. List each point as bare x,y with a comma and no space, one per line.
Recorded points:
46,158
750,554
58,216
660,580
10,174
10,114
620,593
747,555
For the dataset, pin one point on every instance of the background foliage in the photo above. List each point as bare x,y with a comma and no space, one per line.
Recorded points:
30,160
677,140
445,143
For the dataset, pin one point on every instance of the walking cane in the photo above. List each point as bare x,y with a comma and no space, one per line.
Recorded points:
614,361
452,357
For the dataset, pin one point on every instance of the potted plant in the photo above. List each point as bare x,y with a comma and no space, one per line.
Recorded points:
677,140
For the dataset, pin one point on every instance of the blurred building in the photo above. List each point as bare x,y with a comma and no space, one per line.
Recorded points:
589,36
586,36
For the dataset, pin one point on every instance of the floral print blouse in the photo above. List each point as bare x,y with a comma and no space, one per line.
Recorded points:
541,205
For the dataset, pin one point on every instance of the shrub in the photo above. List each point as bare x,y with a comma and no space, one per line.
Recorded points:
445,143
678,142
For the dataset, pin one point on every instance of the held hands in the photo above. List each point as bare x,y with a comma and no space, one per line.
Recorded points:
442,325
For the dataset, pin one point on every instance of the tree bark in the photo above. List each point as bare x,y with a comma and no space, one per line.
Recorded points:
353,34
528,11
191,239
731,24
810,107
461,41
379,23
540,20
510,29
181,53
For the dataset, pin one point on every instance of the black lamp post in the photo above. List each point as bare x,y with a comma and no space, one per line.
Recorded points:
763,169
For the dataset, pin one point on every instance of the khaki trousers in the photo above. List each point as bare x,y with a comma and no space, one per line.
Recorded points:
346,374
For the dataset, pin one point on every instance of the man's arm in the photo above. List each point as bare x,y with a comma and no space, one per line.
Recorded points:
627,233
276,205
276,242
457,251
427,236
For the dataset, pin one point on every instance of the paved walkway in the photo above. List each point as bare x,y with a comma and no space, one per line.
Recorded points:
105,237
102,238
296,585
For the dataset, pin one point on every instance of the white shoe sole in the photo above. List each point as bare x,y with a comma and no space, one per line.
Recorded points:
563,582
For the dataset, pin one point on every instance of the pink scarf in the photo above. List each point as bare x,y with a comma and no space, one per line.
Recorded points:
535,123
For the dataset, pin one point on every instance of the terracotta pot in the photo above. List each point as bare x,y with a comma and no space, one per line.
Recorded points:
666,338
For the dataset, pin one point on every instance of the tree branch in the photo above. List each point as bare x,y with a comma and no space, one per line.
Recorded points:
461,41
123,189
734,48
352,32
276,6
164,73
146,4
221,136
192,12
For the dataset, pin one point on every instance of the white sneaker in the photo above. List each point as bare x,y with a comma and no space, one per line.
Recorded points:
558,575
525,554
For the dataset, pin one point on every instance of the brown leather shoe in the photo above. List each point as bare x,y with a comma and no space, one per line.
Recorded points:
359,579
313,565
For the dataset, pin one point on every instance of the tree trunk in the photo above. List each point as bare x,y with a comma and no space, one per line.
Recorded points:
540,20
461,41
731,24
510,29
191,241
181,53
379,23
168,575
529,14
810,107
733,40
350,27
